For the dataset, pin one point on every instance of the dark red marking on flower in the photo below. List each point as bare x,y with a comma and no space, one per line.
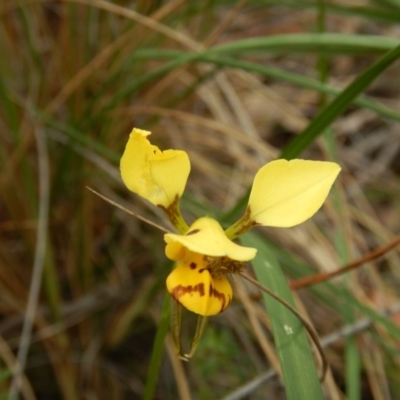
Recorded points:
192,265
193,232
202,270
180,290
220,296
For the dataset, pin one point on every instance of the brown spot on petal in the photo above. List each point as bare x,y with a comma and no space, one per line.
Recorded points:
193,265
193,232
180,290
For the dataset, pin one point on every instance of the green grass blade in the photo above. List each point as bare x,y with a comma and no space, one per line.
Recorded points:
329,43
77,136
389,3
136,84
276,73
158,351
370,13
338,105
297,362
353,368
325,43
303,81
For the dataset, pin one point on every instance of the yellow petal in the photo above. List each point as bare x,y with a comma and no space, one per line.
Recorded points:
175,251
286,193
192,285
207,237
157,176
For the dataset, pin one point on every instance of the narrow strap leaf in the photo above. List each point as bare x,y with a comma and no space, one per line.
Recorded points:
297,362
339,105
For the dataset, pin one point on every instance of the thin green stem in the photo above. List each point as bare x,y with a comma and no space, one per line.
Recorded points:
200,327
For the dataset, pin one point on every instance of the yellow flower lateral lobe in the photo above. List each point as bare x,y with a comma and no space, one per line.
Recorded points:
192,285
158,176
286,193
204,256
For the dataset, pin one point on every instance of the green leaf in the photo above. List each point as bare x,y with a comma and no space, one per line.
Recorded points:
321,43
338,105
297,362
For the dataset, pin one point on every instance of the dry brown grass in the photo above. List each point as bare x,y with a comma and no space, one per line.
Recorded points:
100,278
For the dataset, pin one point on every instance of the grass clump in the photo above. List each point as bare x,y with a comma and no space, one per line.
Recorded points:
235,85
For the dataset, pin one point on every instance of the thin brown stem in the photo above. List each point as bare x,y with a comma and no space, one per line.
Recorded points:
161,228
312,280
305,323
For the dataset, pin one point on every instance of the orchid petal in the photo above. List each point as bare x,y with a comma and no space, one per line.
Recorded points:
286,193
158,176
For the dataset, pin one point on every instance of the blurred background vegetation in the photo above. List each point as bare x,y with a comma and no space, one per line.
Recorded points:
233,83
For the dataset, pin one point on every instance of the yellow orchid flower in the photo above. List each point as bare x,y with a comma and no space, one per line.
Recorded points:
205,255
284,194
